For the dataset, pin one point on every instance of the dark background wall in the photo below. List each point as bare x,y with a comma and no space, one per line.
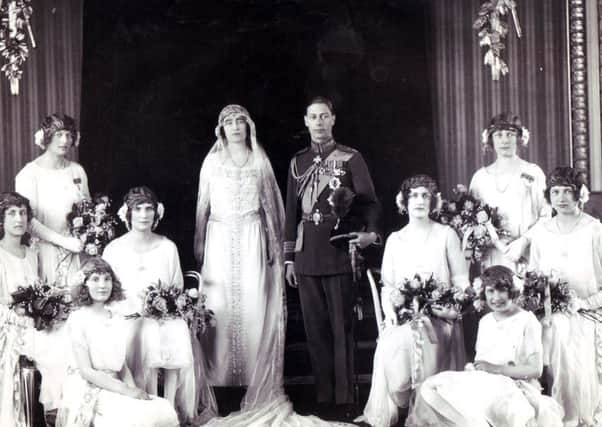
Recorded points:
156,74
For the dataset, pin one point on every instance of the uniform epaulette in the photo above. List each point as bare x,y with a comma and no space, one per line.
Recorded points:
346,149
301,151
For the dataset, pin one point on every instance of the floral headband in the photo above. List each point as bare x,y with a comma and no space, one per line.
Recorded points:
487,132
564,182
402,207
238,111
38,137
123,211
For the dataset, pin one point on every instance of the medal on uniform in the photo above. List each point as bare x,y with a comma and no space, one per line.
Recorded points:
334,183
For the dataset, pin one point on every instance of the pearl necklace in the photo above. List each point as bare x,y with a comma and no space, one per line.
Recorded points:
239,165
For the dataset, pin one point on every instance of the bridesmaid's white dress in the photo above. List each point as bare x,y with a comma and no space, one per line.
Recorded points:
85,405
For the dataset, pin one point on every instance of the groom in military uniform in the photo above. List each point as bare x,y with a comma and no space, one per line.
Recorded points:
321,271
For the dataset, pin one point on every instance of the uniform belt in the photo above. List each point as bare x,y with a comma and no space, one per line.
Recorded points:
317,217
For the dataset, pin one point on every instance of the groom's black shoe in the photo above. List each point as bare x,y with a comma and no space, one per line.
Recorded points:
346,412
325,410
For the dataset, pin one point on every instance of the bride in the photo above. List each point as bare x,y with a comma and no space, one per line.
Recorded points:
242,263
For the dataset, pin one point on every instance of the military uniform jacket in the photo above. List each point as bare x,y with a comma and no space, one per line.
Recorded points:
313,174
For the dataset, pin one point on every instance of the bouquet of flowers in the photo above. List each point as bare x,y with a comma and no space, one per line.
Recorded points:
412,296
90,221
46,305
418,295
454,297
169,302
535,287
478,225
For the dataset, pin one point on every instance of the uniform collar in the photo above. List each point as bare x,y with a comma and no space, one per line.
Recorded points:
323,148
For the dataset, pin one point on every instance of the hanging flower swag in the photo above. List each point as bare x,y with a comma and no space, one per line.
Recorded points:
492,30
14,24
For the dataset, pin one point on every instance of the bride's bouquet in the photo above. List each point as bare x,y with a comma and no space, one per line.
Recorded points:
46,305
91,222
478,225
164,302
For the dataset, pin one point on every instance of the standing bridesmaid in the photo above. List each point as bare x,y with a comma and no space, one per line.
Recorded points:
52,183
570,245
511,184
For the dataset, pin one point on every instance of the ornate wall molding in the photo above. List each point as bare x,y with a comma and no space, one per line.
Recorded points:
578,85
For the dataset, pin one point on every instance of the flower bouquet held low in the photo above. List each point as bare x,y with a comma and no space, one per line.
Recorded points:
414,300
418,295
90,221
163,302
544,295
452,298
46,305
409,298
479,226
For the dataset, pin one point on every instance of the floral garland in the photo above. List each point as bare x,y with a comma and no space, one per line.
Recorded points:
14,24
492,30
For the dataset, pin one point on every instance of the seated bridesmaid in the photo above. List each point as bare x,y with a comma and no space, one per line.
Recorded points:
500,389
142,257
427,248
99,390
18,267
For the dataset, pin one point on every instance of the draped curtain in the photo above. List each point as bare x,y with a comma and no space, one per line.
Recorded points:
51,83
465,97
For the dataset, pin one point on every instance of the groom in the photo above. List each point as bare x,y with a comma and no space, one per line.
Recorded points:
321,271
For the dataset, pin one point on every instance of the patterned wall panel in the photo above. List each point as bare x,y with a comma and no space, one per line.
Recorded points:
465,96
51,82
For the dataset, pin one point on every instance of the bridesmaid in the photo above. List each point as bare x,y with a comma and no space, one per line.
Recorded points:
500,388
427,248
140,258
52,183
510,183
569,245
18,267
100,390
